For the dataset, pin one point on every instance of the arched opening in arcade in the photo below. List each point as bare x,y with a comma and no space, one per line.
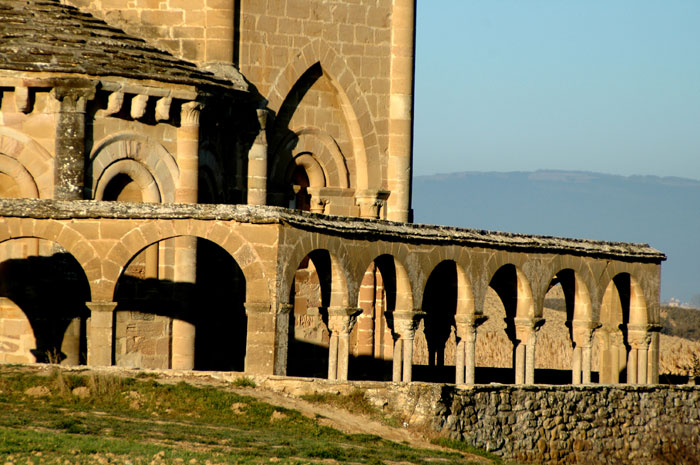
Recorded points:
43,291
318,292
565,352
502,344
623,338
437,342
377,348
160,317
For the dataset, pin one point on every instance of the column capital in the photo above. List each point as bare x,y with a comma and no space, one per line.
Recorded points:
526,327
638,336
371,202
189,113
406,323
100,306
257,307
73,94
341,320
582,332
468,323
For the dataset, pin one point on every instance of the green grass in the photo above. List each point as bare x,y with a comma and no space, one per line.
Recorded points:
127,420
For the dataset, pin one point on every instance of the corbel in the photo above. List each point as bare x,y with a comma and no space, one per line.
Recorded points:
138,106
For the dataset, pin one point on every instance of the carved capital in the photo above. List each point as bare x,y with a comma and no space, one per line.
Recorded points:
371,202
406,323
73,97
189,113
341,320
468,323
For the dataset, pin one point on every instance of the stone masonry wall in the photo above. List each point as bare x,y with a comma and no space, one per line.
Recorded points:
567,424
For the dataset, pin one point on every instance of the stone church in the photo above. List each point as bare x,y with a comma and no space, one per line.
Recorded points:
226,185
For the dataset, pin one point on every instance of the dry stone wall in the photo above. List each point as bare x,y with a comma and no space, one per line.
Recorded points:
567,424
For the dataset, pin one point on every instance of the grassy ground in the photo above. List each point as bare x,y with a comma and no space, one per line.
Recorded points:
65,418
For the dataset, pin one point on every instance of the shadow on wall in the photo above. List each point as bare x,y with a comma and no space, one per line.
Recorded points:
215,305
51,292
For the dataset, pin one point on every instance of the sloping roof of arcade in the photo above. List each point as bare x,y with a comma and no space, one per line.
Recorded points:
46,36
347,227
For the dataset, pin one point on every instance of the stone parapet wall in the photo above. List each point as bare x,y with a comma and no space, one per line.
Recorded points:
567,424
341,226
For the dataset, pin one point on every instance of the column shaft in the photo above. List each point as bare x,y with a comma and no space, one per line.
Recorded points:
100,333
576,366
343,355
587,363
530,359
257,165
407,360
333,357
642,365
459,363
470,357
519,363
401,110
69,172
632,367
398,361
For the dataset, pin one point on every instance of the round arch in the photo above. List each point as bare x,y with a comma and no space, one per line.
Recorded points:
32,157
26,187
133,243
136,172
143,150
44,298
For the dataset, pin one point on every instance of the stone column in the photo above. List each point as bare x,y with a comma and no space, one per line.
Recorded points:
340,322
583,338
185,270
653,358
639,340
69,163
100,333
401,110
465,362
257,164
526,334
576,365
397,363
405,325
282,338
260,342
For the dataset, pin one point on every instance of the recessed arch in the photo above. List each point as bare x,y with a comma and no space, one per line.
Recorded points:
25,186
32,157
138,173
128,146
352,101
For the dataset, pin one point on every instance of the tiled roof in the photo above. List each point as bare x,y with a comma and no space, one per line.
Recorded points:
45,36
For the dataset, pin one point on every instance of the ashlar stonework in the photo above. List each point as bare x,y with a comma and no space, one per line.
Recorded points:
226,185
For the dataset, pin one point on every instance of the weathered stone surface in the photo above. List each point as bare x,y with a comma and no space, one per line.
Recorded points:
348,227
46,36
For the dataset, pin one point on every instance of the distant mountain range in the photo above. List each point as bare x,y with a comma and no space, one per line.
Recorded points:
661,211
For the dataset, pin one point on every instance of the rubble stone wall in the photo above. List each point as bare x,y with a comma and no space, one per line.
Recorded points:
567,424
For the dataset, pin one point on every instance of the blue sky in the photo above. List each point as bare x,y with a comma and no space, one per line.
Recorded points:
609,86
